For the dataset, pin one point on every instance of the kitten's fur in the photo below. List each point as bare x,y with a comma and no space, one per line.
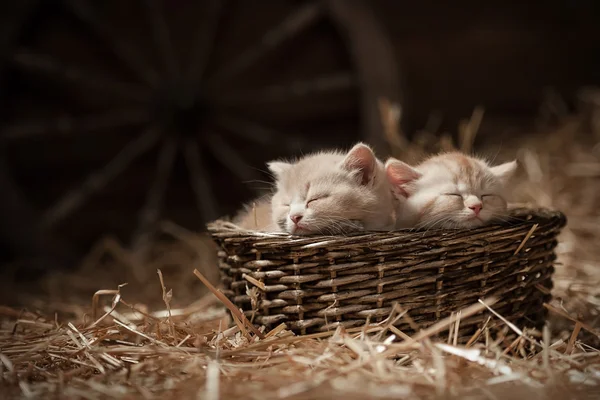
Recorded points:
447,190
256,216
332,192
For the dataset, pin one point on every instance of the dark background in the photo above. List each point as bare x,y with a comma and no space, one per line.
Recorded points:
450,57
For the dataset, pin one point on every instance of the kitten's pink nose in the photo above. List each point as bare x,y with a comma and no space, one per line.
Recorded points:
296,218
476,208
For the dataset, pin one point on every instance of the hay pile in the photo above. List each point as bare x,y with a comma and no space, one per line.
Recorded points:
123,345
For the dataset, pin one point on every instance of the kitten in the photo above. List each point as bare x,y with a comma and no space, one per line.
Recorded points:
332,193
450,190
256,216
327,193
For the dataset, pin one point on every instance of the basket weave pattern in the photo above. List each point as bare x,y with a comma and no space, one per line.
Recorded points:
318,283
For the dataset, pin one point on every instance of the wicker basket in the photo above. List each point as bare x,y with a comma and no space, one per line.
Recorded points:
319,283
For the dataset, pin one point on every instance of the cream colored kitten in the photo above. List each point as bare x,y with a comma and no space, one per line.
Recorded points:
256,216
449,190
327,193
332,193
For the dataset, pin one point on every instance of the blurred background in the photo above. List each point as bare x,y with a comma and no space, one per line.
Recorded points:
127,125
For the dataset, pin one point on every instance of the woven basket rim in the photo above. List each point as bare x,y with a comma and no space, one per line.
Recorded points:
522,216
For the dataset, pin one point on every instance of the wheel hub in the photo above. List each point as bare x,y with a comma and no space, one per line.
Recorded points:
179,110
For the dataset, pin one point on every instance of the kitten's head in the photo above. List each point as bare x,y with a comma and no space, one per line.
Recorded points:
451,190
331,193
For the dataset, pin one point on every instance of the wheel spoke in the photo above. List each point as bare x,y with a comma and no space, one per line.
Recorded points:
205,40
67,124
256,133
230,158
277,93
162,38
149,214
126,53
12,28
292,25
49,66
199,181
246,129
372,56
98,179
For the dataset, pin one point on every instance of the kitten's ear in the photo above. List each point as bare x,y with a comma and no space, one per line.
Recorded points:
278,168
362,159
401,176
505,171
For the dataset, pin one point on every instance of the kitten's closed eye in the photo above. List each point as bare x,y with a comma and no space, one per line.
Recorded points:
453,194
491,198
315,198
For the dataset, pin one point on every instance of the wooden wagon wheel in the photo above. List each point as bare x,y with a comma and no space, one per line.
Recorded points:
213,87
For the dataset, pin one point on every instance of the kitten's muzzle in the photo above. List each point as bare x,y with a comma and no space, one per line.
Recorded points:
296,218
476,208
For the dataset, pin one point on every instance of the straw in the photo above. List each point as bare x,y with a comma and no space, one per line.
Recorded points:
189,341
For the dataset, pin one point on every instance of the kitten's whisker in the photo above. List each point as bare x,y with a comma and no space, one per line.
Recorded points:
442,223
493,160
260,181
340,225
505,218
430,224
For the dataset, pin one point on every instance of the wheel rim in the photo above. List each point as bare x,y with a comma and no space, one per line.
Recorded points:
178,95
